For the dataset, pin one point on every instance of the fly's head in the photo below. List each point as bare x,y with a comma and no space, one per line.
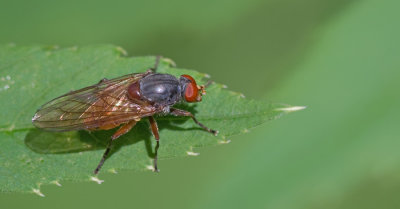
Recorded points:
191,92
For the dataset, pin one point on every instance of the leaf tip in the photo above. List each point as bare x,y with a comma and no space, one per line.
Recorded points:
291,109
113,170
238,94
226,141
121,50
150,167
56,183
97,180
38,192
190,153
169,61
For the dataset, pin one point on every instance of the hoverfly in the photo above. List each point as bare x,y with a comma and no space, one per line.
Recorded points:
121,102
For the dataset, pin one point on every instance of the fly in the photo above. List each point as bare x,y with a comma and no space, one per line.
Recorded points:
121,102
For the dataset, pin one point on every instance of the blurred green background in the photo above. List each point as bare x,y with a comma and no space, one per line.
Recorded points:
338,57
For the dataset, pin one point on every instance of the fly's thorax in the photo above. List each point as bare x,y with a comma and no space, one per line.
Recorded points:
160,89
183,82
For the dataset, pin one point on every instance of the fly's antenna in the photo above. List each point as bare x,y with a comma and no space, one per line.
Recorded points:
202,88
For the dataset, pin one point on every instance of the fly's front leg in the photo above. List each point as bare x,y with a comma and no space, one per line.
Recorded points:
178,112
121,131
154,129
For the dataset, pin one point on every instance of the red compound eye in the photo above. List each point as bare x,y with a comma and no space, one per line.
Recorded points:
191,92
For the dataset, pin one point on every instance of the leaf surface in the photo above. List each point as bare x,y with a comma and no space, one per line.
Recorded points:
33,75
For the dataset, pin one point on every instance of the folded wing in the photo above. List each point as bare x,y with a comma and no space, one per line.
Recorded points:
103,105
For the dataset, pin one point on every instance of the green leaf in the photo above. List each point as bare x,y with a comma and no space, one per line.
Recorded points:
33,75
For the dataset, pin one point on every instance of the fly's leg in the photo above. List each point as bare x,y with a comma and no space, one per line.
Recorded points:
154,69
178,112
121,131
154,129
157,62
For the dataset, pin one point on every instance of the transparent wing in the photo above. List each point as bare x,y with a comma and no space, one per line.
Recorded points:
104,105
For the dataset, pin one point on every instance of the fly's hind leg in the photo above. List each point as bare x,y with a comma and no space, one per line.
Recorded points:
178,112
154,129
121,131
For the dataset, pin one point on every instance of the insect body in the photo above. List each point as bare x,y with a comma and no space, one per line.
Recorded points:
121,102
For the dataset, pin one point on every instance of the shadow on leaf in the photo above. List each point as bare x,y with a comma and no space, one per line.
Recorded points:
46,142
